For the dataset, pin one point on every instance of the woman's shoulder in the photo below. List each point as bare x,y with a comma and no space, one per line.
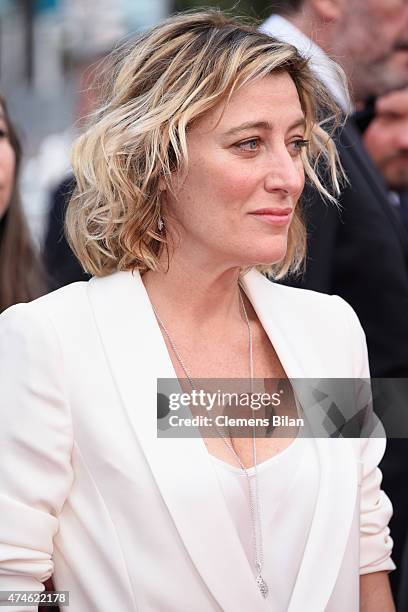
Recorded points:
311,303
68,309
323,326
62,298
317,304
37,316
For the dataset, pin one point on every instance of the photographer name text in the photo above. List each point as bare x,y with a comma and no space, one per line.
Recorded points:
223,420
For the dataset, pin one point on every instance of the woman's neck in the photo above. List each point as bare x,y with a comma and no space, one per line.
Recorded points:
202,295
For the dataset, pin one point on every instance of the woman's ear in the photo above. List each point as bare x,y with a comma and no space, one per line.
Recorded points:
329,10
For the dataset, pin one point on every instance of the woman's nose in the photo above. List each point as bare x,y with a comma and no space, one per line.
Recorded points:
284,173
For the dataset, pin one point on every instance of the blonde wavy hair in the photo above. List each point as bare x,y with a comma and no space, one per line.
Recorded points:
158,85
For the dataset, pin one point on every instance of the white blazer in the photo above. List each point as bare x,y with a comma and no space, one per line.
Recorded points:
129,522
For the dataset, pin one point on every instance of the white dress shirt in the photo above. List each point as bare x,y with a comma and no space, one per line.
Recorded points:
288,484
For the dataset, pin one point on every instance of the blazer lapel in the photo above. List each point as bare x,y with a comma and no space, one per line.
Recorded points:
138,356
277,322
330,527
336,499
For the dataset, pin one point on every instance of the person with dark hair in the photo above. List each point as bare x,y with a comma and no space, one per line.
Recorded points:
386,140
21,274
61,264
359,252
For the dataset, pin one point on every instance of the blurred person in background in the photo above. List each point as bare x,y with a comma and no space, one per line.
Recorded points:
21,273
351,252
359,253
384,123
386,140
61,264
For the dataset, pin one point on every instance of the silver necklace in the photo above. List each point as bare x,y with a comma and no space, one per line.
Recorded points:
254,501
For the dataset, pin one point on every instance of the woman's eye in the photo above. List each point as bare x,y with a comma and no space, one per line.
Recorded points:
249,145
3,133
298,144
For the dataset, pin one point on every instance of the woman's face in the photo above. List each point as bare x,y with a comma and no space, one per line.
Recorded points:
7,165
245,175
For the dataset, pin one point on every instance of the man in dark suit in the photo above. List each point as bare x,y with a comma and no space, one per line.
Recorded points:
61,264
360,251
386,140
404,207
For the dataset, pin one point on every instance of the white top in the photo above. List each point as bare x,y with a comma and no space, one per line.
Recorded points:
288,485
324,68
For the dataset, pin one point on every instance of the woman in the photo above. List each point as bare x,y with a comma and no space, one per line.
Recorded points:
189,177
21,276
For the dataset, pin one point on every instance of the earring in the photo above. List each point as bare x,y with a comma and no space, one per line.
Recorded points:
160,223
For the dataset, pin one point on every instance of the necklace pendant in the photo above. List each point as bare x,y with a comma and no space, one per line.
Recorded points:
263,587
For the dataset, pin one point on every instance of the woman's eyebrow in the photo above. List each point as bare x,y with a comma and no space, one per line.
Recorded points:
249,125
300,122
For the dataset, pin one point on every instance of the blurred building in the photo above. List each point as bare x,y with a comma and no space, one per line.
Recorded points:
42,42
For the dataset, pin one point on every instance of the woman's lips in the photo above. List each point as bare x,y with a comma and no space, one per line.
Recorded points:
274,216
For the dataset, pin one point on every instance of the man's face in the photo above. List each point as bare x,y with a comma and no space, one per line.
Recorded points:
371,41
386,139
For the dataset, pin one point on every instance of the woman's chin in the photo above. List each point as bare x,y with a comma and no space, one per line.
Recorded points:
267,256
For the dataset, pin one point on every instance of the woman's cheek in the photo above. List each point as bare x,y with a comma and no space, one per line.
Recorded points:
239,183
